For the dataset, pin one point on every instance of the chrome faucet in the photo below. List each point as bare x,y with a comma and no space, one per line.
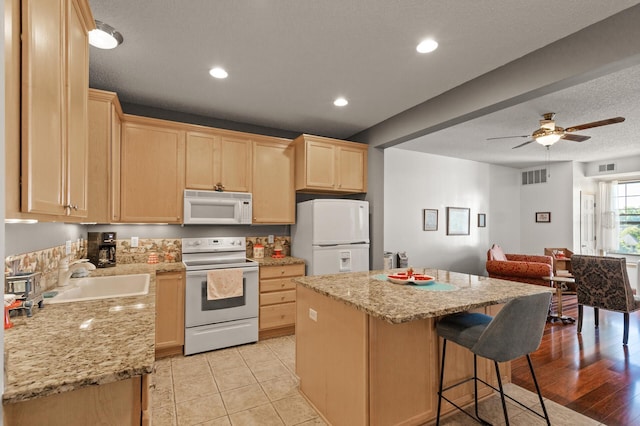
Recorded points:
66,268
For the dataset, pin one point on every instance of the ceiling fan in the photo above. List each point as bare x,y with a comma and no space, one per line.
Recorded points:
549,133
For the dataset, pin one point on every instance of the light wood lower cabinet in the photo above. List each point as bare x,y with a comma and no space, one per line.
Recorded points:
169,313
278,299
117,403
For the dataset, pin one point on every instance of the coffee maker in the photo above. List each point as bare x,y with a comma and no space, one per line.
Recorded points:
101,249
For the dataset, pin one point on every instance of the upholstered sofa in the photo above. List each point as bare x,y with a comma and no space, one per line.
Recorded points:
519,267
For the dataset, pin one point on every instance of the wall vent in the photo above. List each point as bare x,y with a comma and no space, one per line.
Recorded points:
534,176
604,168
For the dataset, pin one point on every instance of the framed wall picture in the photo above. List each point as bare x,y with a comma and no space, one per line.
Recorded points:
543,217
458,220
482,220
430,219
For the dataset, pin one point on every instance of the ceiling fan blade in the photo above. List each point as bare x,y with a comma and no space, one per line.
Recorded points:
523,144
575,138
606,122
508,137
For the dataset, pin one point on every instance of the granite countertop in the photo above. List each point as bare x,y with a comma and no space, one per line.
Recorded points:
67,346
397,303
272,261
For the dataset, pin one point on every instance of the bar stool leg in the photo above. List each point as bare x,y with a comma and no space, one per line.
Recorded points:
535,382
504,403
444,349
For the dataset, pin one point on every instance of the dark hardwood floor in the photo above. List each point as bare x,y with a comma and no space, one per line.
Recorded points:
592,373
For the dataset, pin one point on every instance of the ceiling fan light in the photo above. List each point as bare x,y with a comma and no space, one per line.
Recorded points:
548,139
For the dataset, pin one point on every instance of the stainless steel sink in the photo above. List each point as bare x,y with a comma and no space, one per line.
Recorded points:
93,288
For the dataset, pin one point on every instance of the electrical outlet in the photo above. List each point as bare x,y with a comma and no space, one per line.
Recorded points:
67,247
270,239
134,241
313,314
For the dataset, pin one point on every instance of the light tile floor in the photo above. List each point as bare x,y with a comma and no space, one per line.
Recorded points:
245,385
256,385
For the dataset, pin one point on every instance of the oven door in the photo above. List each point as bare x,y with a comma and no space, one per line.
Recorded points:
200,311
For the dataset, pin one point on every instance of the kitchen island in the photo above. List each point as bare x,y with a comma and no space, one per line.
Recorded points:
83,359
367,352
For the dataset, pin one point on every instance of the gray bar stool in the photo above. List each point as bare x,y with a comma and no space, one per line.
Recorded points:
514,332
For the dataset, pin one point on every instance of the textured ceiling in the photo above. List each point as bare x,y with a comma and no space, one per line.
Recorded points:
617,94
288,59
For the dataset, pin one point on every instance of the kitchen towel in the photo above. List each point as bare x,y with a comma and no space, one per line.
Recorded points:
224,283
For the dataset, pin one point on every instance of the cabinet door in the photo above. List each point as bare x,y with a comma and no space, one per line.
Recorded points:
115,169
274,198
77,85
352,168
235,164
170,310
43,150
152,171
104,157
200,167
320,165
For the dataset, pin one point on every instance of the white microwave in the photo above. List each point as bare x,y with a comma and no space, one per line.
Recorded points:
217,208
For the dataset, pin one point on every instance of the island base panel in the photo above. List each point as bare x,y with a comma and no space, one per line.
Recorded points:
360,370
331,357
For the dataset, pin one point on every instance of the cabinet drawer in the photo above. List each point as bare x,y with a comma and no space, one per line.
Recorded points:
274,285
277,315
277,297
282,271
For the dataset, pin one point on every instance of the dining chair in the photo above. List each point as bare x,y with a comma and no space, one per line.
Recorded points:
514,332
602,283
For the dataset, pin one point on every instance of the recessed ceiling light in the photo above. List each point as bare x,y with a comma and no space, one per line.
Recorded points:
104,36
218,72
340,102
427,46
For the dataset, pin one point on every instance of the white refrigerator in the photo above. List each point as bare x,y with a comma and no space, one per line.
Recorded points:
332,235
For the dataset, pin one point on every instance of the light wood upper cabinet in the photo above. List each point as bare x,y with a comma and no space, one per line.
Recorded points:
215,158
152,171
104,156
274,198
169,313
325,165
55,75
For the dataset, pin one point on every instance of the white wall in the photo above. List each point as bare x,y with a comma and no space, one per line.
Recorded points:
554,196
504,219
416,181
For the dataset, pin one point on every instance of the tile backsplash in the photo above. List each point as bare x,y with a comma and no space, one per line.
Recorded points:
44,261
283,242
167,250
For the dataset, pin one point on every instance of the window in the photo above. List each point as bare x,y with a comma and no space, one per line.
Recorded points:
628,204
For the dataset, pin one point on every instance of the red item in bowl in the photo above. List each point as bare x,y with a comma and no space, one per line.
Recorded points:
399,276
423,278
